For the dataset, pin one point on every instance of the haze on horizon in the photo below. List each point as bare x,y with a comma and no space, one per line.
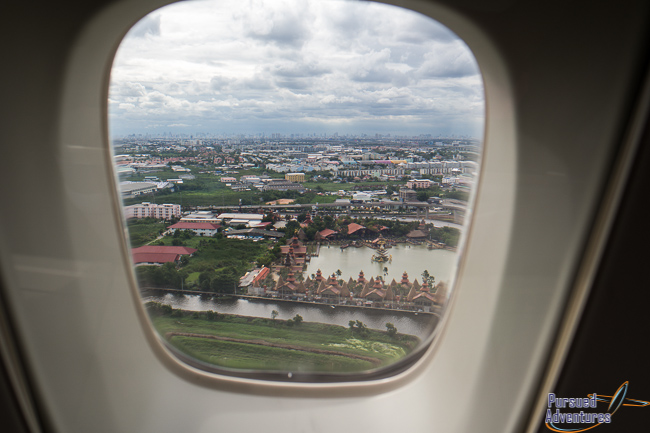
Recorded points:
293,66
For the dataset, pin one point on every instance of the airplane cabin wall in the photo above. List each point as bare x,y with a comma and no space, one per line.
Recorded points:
561,80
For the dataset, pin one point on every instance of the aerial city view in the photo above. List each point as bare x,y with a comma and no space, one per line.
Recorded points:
298,206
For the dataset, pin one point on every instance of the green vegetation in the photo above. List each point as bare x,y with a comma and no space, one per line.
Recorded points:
447,235
271,344
216,266
144,230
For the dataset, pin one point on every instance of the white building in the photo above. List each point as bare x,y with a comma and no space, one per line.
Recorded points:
200,217
133,189
362,196
248,219
200,229
152,210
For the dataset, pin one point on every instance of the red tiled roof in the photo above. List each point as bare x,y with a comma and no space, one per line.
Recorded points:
427,295
155,257
353,227
327,232
263,273
161,249
194,226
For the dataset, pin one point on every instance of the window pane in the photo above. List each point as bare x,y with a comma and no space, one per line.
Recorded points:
295,177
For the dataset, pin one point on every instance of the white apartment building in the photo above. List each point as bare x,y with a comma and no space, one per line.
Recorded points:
419,183
152,210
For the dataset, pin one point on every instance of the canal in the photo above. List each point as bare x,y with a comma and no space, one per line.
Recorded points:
419,324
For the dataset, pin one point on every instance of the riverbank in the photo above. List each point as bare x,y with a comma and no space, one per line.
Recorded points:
408,322
154,291
244,342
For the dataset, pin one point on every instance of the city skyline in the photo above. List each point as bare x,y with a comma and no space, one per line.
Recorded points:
294,67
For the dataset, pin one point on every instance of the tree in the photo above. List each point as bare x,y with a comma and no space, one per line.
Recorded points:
391,329
274,314
204,281
225,280
430,279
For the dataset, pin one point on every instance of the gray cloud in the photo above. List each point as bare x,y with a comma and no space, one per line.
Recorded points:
149,25
293,64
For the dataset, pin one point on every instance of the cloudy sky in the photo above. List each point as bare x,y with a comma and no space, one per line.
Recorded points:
293,66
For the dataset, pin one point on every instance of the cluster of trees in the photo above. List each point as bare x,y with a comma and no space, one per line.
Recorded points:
221,280
270,256
358,327
165,276
159,309
447,235
297,320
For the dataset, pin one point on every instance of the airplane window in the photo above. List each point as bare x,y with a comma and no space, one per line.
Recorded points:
296,181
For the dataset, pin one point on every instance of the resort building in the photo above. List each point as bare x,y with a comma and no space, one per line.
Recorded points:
290,286
294,254
326,235
332,290
356,229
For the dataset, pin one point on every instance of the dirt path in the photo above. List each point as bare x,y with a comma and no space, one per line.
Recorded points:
373,361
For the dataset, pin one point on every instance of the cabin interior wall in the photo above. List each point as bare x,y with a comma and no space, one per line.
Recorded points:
558,87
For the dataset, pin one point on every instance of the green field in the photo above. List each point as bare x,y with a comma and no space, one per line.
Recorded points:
265,344
142,231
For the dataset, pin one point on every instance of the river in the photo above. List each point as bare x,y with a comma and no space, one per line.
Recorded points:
420,324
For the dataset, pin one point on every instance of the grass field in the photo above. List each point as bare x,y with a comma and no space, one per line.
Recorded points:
144,230
266,344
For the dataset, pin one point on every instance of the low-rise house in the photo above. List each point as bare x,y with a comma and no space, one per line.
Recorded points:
159,254
200,229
